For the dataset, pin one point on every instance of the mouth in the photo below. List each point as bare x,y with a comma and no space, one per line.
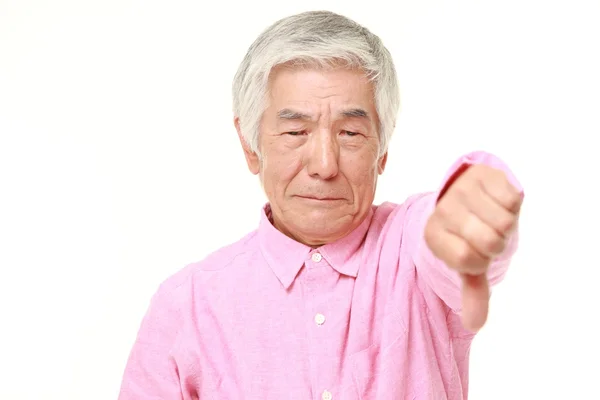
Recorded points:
315,198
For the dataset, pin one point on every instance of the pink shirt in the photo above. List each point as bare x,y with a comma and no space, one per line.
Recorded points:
371,316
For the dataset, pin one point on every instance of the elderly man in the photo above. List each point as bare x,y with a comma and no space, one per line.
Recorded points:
331,297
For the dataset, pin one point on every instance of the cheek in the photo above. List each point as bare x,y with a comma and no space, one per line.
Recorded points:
361,171
278,171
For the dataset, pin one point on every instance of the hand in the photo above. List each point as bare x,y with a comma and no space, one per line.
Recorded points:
471,225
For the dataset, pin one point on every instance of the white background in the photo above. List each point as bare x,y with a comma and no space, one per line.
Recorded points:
119,164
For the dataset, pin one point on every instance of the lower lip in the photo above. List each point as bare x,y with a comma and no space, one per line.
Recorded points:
312,199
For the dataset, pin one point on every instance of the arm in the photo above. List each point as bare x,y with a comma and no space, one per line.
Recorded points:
151,373
438,273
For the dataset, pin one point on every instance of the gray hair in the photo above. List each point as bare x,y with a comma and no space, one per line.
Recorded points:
321,39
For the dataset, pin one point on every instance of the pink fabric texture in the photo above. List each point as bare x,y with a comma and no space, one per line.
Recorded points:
372,316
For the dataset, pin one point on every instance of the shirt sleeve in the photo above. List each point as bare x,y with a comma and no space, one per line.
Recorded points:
151,372
433,273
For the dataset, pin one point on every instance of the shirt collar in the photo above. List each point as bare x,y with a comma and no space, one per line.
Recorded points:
286,256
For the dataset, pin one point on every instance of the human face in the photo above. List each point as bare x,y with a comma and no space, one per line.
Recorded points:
319,152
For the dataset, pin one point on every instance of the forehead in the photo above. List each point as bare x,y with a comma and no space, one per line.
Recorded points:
317,87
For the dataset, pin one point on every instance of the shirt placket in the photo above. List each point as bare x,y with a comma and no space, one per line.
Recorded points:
317,271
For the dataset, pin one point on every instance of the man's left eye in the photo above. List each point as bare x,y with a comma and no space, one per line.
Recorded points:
349,133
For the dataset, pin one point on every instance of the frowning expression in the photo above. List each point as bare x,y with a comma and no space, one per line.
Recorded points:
319,146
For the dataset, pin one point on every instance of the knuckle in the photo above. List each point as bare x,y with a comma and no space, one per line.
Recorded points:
444,209
464,189
463,255
514,201
492,244
506,224
469,181
487,173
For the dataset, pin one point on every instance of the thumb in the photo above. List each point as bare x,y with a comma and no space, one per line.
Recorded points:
475,301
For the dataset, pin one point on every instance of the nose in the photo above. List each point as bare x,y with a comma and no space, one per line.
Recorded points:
323,155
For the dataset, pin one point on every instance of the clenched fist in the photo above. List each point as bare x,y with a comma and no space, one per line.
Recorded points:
470,226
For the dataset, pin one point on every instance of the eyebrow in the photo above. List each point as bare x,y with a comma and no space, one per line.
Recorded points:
289,114
355,113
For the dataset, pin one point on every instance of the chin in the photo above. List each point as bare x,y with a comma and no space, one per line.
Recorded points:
324,217
320,228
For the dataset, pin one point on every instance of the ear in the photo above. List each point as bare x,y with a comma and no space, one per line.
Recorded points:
251,157
381,163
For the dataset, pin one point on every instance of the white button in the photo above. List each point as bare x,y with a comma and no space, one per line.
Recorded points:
316,257
327,395
320,319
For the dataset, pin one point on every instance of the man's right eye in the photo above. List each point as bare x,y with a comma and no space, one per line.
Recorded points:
294,133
